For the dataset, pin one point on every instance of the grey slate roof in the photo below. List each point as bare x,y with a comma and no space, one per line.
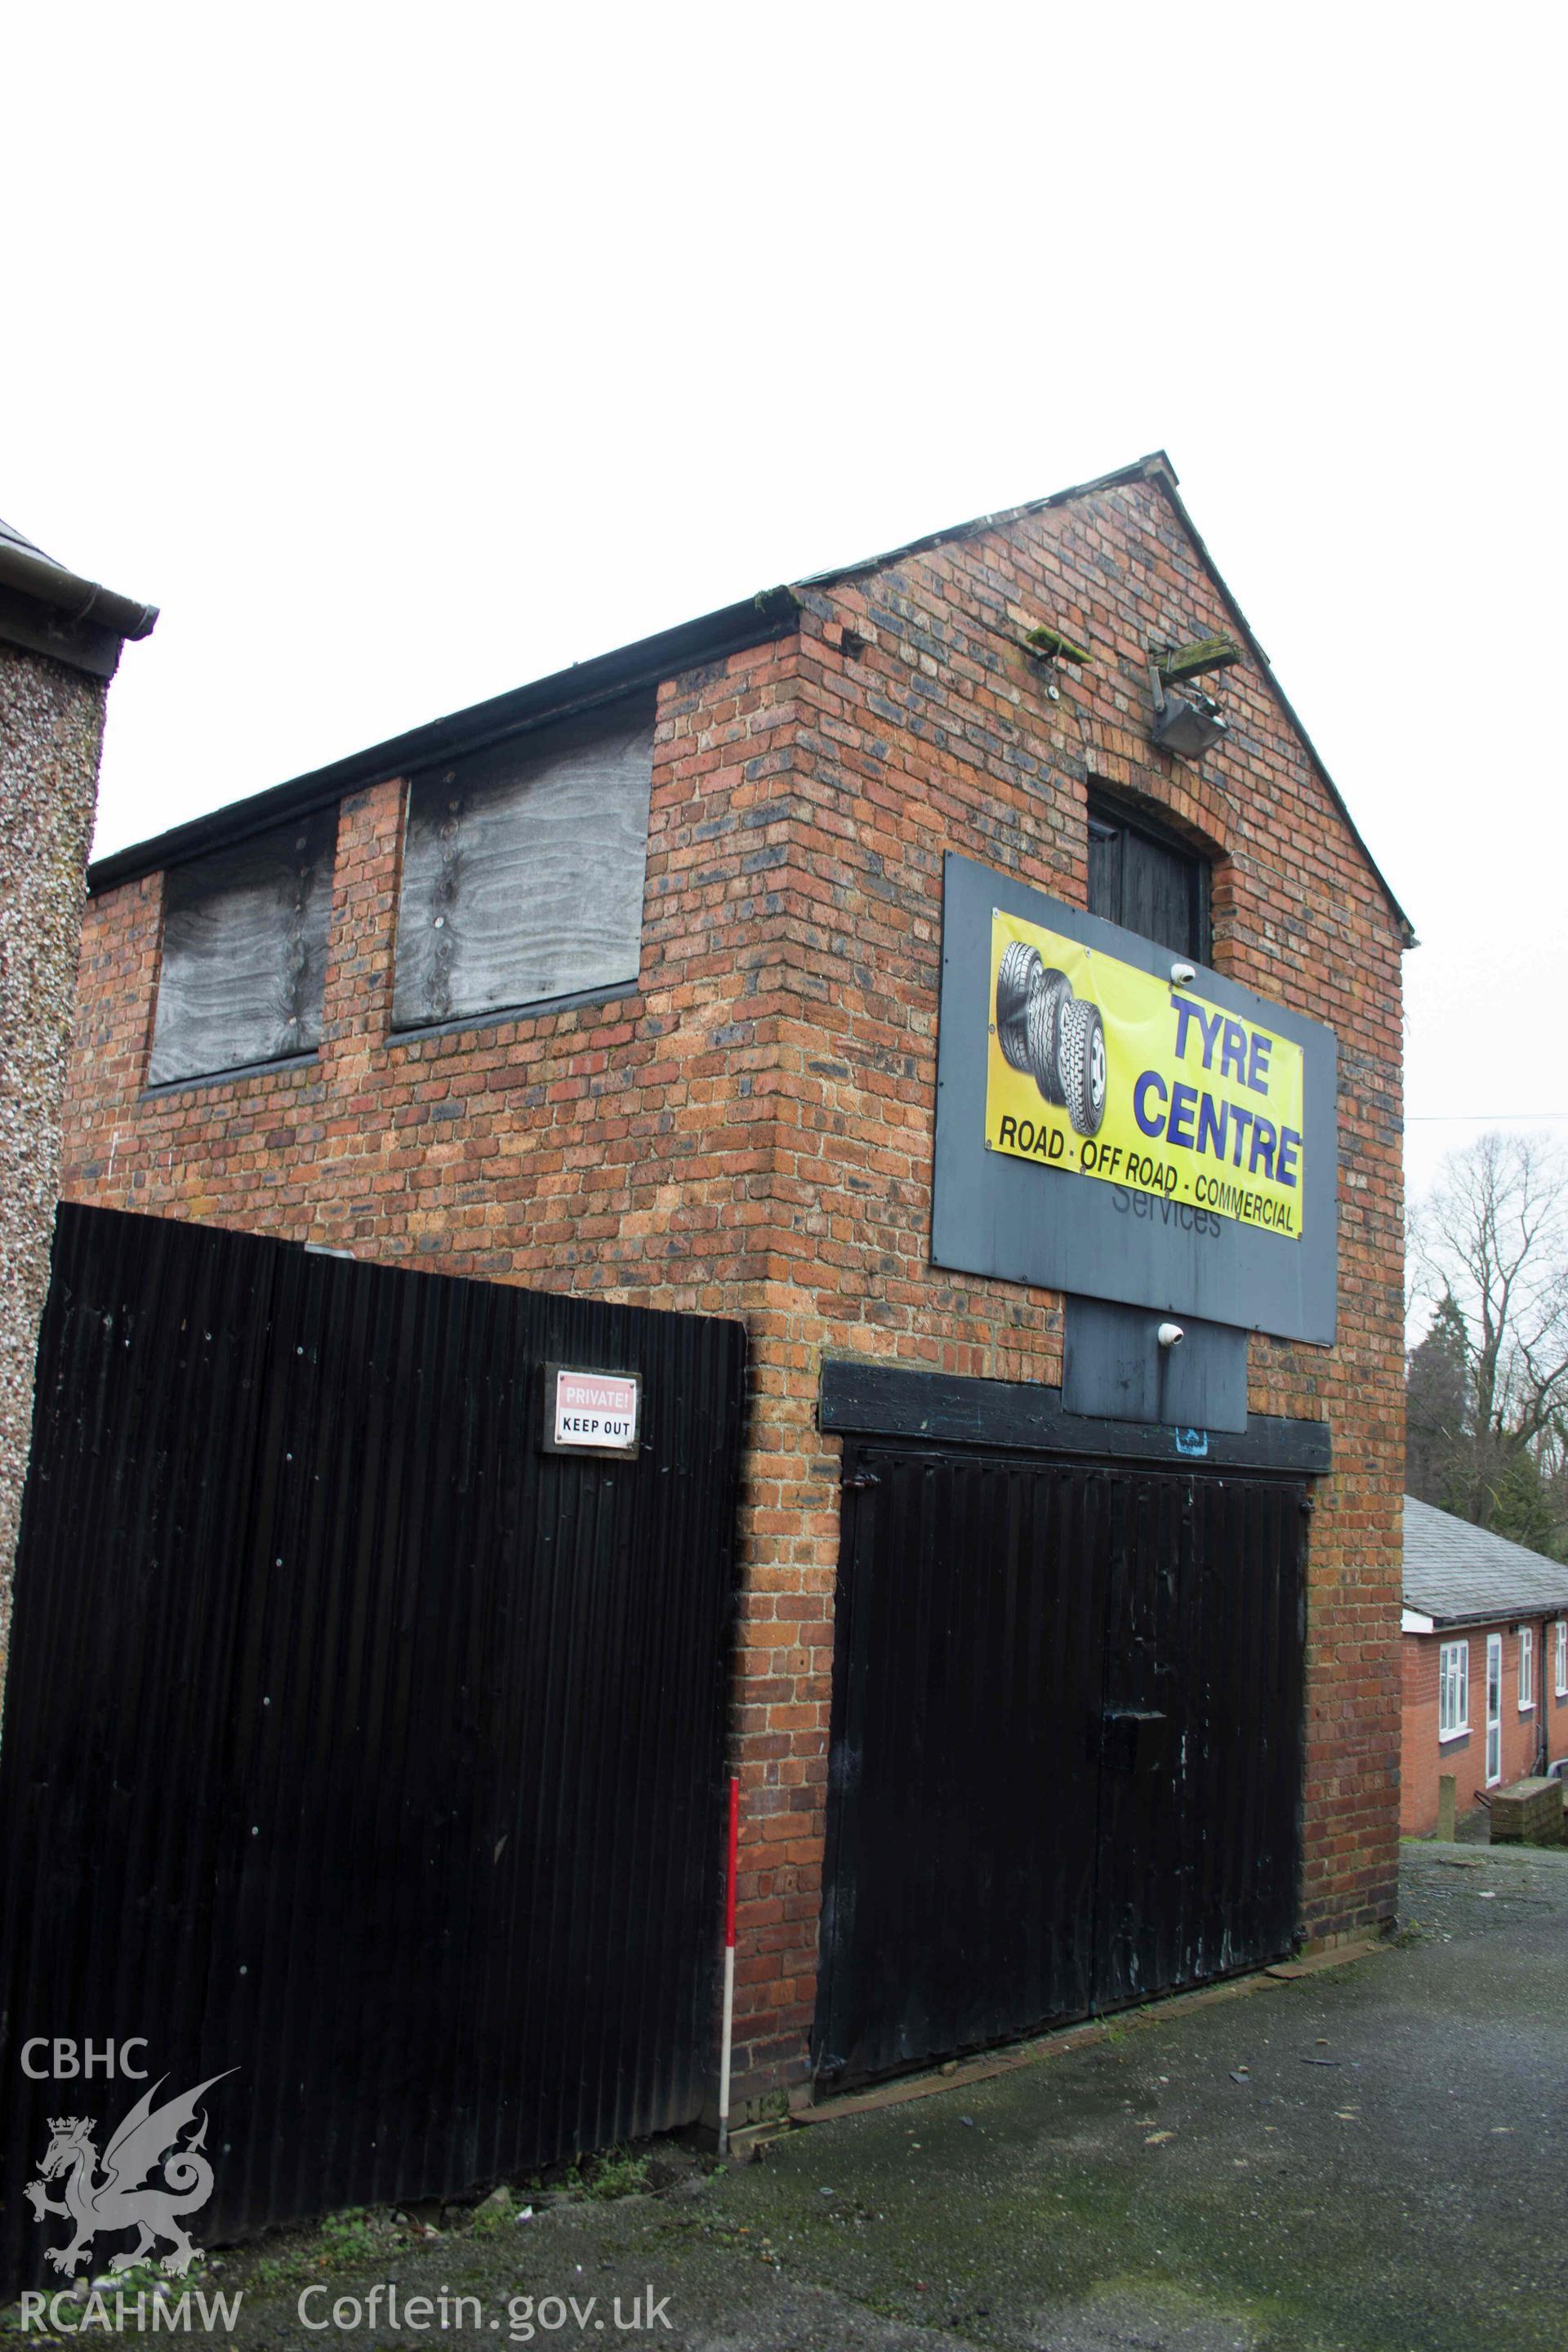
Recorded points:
89,617
14,538
1459,1574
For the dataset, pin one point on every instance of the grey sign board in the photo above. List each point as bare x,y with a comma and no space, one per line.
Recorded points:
1140,1234
1116,1368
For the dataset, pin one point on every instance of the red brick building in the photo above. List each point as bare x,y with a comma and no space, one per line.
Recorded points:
731,1107
1485,1653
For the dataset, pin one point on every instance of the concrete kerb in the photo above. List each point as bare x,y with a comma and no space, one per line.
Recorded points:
747,2143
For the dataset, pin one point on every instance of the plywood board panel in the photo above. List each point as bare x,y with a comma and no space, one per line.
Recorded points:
245,952
522,872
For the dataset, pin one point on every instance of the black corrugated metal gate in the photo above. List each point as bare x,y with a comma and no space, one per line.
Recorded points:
352,1742
1066,1759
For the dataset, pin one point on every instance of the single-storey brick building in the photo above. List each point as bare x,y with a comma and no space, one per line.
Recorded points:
1066,1661
1485,1664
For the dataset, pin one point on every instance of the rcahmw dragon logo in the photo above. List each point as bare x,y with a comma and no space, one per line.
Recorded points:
122,2197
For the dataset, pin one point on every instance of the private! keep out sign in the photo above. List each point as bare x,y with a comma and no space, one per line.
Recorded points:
596,1410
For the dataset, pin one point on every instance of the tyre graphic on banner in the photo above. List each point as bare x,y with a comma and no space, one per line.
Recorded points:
1057,1037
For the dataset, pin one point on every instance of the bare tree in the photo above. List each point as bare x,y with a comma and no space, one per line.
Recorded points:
1492,1239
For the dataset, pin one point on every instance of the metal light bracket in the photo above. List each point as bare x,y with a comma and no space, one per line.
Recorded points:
1048,647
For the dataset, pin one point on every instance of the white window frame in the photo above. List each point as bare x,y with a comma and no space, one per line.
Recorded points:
1494,1709
1527,1670
1453,1689
1560,1646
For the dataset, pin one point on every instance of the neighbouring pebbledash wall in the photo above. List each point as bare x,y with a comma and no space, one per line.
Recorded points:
748,1129
52,733
60,638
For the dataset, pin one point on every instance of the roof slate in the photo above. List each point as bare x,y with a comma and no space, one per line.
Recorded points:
1456,1573
50,609
14,538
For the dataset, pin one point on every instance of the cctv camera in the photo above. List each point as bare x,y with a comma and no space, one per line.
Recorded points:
1170,1335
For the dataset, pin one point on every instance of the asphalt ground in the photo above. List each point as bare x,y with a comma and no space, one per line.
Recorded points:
1369,2158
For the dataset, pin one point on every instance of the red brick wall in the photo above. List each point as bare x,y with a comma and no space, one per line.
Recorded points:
1425,1758
1420,1763
751,1131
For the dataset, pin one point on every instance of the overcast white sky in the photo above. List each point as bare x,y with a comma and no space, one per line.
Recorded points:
402,355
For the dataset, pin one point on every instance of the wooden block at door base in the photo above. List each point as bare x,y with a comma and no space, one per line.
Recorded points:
1528,1813
1337,1955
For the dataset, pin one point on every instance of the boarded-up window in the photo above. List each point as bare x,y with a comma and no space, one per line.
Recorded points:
245,952
1148,882
522,872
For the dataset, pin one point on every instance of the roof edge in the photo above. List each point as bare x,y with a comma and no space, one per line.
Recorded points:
1154,467
1166,479
606,678
1518,1613
1156,464
761,619
53,610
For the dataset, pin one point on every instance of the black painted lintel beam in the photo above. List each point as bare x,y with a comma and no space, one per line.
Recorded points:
874,1399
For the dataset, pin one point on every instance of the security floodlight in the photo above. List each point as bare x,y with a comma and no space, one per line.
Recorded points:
1188,724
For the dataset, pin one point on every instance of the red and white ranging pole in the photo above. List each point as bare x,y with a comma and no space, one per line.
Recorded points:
731,1855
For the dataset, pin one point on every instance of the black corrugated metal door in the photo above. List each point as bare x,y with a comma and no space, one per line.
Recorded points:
1066,1746
352,1742
964,1767
1201,1755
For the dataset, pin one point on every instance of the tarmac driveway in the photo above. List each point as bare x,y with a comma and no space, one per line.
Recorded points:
1367,2157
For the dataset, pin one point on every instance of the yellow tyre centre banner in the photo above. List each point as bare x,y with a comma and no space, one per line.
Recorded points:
1107,1071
